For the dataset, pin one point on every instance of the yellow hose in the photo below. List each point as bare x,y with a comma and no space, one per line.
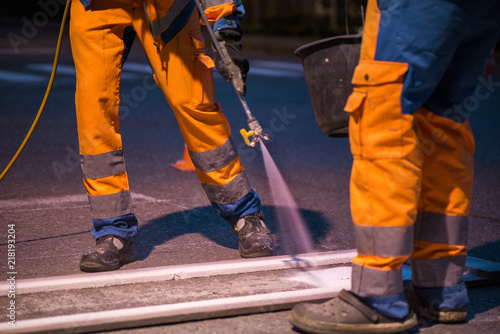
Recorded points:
47,92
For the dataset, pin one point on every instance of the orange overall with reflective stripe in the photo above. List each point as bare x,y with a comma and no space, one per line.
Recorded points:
411,181
184,74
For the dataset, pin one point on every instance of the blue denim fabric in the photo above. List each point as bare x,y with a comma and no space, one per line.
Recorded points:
450,296
394,306
85,3
235,18
122,226
179,23
250,203
445,44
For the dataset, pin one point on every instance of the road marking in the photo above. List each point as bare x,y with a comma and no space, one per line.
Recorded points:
17,77
52,202
170,313
278,64
148,275
45,201
131,71
47,68
64,70
276,69
28,51
138,67
340,276
70,70
268,72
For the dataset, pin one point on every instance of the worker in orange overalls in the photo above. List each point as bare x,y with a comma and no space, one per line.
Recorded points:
418,79
101,33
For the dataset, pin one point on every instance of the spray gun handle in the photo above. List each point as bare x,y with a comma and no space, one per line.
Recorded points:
245,134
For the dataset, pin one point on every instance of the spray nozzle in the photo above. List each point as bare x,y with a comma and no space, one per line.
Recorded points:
255,132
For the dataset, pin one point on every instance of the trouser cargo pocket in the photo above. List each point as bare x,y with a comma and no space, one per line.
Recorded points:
378,127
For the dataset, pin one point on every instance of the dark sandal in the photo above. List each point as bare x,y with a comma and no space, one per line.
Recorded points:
346,314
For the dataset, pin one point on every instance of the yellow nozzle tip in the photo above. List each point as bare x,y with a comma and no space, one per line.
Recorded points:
245,134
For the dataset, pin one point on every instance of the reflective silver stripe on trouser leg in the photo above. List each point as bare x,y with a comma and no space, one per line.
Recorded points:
441,228
373,241
164,22
212,3
384,241
228,193
434,273
445,230
369,282
101,166
217,159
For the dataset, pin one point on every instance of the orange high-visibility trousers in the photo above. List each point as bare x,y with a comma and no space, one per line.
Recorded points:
183,72
412,175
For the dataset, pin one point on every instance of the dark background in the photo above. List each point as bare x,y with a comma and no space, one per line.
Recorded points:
316,18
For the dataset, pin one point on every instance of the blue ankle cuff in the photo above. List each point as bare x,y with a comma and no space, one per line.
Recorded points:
250,203
393,306
122,226
451,296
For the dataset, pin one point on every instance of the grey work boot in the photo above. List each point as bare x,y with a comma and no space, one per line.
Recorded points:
109,253
431,312
255,237
346,314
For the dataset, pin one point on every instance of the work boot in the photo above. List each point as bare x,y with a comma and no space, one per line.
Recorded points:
109,253
430,312
255,237
346,314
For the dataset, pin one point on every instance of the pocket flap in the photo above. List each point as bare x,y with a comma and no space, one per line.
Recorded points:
205,61
375,72
198,41
354,101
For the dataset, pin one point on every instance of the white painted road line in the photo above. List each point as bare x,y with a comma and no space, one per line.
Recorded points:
133,71
170,313
137,67
16,77
269,72
69,70
325,278
28,51
47,68
147,275
278,65
58,201
45,201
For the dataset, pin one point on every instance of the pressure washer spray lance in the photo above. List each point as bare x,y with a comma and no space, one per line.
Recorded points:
256,131
296,238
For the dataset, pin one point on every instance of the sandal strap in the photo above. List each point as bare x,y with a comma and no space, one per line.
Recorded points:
352,300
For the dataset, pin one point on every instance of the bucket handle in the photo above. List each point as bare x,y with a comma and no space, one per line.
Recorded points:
347,16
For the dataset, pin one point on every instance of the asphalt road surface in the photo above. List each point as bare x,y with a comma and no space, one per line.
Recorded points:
42,199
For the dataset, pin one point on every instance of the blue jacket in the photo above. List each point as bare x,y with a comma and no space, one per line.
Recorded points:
222,23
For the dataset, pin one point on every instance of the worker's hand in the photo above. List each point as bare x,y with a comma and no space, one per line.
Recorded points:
237,65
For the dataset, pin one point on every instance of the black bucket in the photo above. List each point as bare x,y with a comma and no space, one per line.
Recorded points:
328,67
